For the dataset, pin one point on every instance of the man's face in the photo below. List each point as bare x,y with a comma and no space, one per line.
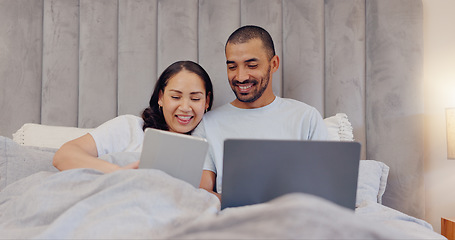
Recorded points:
249,71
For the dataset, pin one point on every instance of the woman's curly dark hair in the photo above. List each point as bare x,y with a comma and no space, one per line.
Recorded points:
153,116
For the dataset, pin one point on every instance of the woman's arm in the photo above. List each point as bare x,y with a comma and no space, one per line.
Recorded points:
82,153
208,181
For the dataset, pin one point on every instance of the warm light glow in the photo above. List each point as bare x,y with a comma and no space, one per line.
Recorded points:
450,120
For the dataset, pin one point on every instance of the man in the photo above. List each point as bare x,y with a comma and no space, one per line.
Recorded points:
256,112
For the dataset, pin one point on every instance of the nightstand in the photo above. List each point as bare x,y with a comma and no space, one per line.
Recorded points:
448,228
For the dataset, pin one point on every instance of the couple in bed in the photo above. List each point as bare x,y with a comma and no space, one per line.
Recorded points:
183,93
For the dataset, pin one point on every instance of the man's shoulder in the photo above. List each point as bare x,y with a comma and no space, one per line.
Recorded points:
293,103
223,109
211,117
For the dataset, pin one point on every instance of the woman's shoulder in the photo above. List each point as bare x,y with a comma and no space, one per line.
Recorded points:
125,120
131,120
126,117
131,117
122,133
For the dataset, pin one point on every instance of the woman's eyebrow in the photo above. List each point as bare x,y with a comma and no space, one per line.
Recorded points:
174,90
178,91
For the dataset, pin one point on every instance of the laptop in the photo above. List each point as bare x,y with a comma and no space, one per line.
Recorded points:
256,171
179,155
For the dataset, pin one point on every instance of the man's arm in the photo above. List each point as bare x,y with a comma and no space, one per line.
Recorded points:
318,129
208,181
208,178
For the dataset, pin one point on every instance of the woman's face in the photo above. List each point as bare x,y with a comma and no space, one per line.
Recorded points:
183,101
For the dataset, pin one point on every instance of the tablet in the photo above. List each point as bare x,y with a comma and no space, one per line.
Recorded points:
179,155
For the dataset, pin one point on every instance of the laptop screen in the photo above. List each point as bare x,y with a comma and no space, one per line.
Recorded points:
256,171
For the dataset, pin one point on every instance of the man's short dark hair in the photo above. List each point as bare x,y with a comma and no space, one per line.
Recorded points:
246,33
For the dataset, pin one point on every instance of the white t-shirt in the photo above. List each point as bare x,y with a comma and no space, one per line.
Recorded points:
121,134
282,119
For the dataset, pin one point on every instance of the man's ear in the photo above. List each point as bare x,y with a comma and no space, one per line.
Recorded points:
274,63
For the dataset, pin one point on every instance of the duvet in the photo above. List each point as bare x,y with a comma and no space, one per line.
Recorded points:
147,203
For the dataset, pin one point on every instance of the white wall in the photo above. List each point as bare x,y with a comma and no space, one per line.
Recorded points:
439,78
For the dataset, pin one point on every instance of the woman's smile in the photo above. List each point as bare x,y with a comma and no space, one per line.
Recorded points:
184,119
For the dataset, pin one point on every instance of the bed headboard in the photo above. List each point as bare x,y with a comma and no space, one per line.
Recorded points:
82,62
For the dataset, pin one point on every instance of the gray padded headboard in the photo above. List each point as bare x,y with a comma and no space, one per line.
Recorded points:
82,62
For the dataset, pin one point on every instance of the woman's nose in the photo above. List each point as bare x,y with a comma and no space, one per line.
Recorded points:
185,106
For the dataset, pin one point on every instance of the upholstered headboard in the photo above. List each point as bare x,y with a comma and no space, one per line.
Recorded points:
82,62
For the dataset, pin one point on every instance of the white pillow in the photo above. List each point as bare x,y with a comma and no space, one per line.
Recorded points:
372,181
38,135
339,128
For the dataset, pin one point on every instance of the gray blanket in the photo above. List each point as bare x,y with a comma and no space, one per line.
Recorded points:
131,204
84,203
149,204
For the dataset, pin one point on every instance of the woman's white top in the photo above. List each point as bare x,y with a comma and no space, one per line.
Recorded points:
121,134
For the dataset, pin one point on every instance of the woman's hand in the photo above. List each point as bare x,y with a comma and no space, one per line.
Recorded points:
134,165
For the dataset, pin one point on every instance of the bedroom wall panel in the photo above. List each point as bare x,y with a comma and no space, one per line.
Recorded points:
345,63
217,20
267,14
303,51
20,63
137,45
394,103
98,62
60,63
177,32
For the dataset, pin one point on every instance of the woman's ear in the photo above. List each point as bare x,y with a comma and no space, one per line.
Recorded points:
160,99
207,101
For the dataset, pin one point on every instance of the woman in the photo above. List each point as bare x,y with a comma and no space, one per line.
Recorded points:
182,94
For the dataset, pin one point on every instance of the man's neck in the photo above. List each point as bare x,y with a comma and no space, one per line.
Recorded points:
261,102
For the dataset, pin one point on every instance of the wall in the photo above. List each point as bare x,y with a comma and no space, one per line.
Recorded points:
439,80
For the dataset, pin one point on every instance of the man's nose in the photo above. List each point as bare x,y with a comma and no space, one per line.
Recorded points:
242,75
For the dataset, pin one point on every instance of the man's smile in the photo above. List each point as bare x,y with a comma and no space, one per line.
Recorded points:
244,87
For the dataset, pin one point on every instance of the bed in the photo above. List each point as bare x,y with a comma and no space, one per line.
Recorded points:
38,201
69,65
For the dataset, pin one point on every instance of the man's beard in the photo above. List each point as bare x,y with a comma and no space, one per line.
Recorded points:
256,94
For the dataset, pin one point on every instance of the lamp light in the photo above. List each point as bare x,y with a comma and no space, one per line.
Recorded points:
450,121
